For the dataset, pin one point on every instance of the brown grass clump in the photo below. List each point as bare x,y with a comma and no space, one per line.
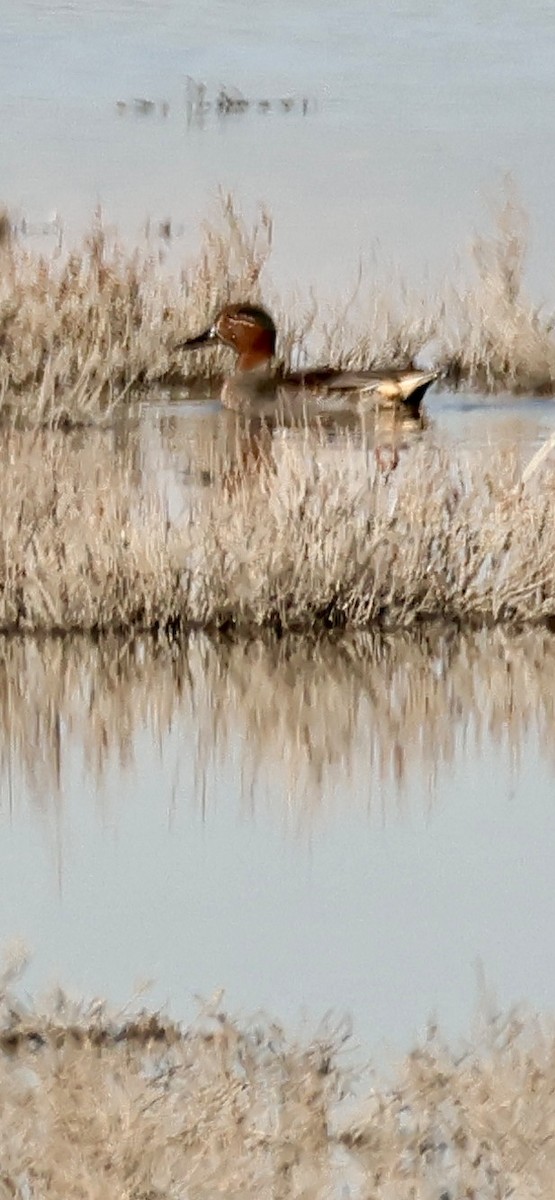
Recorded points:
79,334
119,1106
315,538
83,546
102,1105
494,336
479,1123
86,331
318,540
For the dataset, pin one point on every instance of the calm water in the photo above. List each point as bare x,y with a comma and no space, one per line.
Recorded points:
417,112
351,825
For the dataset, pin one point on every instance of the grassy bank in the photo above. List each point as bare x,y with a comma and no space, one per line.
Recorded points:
116,1105
309,538
84,331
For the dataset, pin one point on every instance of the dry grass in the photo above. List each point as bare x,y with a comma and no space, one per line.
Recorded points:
83,332
101,1105
494,336
80,333
468,1124
313,538
83,545
316,539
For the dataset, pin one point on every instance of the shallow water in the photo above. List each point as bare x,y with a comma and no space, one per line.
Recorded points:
183,433
354,824
416,113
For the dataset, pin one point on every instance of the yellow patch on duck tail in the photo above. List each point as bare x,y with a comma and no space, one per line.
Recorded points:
403,387
409,383
390,389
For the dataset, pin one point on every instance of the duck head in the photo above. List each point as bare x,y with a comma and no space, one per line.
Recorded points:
247,329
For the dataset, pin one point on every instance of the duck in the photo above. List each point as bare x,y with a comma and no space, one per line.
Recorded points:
249,330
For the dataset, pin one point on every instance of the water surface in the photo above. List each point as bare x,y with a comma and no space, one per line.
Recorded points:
417,112
352,824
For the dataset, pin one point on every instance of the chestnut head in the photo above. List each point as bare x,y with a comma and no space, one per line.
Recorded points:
246,328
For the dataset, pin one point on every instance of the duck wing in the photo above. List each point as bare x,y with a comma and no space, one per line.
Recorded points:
405,386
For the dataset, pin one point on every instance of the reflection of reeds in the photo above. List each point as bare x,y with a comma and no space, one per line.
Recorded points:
82,332
367,715
363,715
292,536
118,1106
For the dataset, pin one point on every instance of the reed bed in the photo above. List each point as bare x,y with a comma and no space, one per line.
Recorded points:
132,1105
304,537
316,540
83,332
86,331
83,545
311,723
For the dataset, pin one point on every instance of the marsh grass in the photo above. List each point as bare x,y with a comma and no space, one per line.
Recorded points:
318,539
313,537
83,539
132,1105
81,333
495,336
88,330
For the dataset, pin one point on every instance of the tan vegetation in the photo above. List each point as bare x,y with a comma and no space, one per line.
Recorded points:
314,537
82,545
82,332
494,336
88,330
330,540
117,1105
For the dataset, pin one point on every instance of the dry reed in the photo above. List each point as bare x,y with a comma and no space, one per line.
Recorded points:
313,538
494,336
86,331
82,332
82,544
104,1105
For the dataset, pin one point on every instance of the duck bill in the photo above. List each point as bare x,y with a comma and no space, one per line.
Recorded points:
202,339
